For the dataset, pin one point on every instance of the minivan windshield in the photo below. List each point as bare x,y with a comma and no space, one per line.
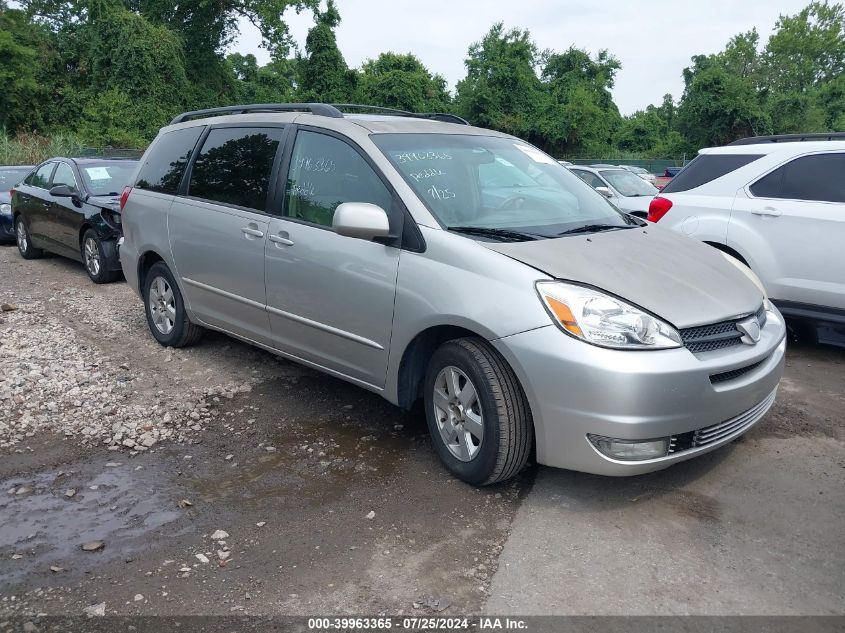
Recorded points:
498,188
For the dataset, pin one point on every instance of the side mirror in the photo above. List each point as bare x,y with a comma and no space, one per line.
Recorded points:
606,192
63,191
361,220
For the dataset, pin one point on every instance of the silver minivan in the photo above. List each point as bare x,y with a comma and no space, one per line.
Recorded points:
424,259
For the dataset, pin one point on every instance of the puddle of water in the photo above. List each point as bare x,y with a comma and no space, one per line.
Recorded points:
321,445
47,528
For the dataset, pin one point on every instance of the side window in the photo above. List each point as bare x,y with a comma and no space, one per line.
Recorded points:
165,164
325,172
705,168
589,177
64,176
819,177
41,177
234,166
769,185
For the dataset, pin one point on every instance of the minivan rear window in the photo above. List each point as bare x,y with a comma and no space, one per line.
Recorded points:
165,164
234,166
705,168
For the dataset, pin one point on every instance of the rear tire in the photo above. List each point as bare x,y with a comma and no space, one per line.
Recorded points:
477,413
94,259
24,241
165,309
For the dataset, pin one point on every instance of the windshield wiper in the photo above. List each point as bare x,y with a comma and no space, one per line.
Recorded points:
501,234
594,228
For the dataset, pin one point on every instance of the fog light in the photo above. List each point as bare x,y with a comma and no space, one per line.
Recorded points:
630,450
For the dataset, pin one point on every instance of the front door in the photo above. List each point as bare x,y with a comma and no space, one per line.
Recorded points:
797,212
65,213
330,298
218,231
32,204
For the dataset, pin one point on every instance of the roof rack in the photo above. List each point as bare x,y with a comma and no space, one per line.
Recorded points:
321,109
436,116
789,138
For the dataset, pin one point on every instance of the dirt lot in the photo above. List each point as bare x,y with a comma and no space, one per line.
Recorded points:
332,500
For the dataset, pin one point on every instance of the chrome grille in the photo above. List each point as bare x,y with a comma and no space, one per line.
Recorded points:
706,338
716,432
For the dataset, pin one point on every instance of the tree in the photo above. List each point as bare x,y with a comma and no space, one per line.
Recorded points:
501,89
578,113
401,81
324,75
20,44
717,106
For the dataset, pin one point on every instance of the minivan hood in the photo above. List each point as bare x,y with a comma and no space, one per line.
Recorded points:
679,279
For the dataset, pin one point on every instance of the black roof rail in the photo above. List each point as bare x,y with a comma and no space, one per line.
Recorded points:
321,109
789,138
436,116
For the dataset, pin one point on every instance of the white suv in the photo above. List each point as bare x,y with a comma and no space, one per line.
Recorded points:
778,204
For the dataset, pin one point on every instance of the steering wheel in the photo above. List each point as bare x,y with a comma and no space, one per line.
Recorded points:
512,202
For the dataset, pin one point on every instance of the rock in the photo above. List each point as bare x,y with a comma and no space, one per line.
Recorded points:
229,457
70,492
55,569
185,570
95,610
93,546
220,535
201,558
371,515
23,490
16,556
138,597
8,307
184,503
223,555
261,523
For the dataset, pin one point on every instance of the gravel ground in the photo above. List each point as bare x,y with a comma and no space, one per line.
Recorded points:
332,500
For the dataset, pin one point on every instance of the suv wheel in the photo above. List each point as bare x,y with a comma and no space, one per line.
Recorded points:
477,414
94,258
27,250
165,309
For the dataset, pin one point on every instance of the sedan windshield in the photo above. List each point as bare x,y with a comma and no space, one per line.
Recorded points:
10,177
628,184
108,177
498,188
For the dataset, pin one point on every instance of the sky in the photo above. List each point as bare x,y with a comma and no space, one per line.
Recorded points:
653,39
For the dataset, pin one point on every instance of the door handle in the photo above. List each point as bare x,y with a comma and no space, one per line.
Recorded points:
770,211
249,230
281,238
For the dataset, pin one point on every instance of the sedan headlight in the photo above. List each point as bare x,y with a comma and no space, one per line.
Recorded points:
604,320
5,209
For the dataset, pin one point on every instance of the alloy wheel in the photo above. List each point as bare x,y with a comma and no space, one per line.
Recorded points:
162,305
23,242
458,413
92,257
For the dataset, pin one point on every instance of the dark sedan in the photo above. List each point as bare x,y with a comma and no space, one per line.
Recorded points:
9,176
71,207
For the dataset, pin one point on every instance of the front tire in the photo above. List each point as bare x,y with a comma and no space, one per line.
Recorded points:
477,413
94,259
24,241
165,309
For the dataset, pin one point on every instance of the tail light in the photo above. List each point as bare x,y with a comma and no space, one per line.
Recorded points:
11,192
124,196
658,208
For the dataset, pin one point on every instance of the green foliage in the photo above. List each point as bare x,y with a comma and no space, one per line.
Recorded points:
401,81
31,149
324,75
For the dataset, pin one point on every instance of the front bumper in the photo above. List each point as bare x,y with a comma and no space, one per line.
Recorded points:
576,389
7,229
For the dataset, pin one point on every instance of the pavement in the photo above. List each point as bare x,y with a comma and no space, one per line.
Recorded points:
275,490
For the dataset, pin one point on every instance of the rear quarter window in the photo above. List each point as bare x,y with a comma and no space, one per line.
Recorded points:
166,161
705,168
820,178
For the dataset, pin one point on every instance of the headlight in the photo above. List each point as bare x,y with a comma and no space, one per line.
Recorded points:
604,320
5,209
